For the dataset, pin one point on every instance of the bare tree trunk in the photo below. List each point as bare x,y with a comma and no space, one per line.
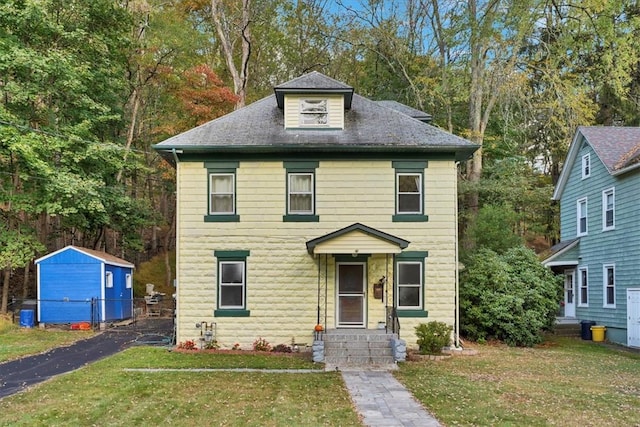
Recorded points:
167,261
25,282
5,290
240,74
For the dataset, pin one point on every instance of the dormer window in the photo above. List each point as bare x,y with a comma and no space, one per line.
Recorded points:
314,112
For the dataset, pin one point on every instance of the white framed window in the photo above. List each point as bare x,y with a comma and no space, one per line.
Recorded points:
314,112
221,194
232,285
128,281
583,283
301,193
586,166
409,193
609,285
108,279
608,209
581,217
410,285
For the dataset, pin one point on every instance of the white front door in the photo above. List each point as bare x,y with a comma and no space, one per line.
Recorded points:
351,295
569,293
633,317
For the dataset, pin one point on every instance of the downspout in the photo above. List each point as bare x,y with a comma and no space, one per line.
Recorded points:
176,315
457,267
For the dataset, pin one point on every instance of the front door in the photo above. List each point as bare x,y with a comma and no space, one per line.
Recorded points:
569,293
633,317
351,295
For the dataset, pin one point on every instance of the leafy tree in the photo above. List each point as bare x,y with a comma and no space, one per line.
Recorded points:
509,297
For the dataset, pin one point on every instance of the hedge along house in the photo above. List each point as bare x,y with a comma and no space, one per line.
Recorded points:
314,205
77,284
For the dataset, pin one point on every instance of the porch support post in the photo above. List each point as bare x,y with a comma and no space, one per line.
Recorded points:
326,286
319,271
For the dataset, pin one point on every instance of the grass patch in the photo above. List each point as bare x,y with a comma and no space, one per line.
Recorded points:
18,342
144,357
566,382
104,394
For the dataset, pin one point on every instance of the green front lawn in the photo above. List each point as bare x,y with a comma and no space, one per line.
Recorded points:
567,382
105,394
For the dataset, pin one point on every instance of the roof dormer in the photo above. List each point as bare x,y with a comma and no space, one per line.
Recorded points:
314,101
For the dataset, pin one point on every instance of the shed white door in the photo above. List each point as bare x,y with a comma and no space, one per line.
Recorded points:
351,295
633,317
569,293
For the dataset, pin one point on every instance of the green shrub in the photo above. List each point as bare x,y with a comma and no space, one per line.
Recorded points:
509,297
433,336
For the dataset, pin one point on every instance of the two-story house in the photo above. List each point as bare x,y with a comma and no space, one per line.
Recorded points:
599,253
314,206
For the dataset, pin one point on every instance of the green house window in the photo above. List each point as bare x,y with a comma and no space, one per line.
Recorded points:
221,204
301,191
232,284
409,279
409,191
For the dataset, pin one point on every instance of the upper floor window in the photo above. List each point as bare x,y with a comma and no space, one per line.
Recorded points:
301,191
409,187
582,217
608,209
222,193
409,191
221,204
583,301
586,166
609,285
314,112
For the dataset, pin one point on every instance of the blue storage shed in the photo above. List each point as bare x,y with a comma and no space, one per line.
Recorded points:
77,284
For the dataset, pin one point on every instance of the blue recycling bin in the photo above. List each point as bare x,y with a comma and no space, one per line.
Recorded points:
26,318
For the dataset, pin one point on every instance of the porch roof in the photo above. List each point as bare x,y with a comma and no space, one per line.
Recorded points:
357,239
564,254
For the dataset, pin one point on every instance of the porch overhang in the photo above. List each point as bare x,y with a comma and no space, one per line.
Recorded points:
564,254
357,239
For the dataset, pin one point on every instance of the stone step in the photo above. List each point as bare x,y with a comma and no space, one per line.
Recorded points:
356,344
358,360
567,330
343,352
357,337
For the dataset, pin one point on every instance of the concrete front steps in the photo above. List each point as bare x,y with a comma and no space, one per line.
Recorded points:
567,327
346,349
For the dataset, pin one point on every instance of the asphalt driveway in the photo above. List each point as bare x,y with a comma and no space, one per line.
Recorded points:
19,374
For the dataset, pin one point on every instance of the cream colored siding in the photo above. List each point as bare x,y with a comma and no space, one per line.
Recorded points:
354,243
335,107
283,280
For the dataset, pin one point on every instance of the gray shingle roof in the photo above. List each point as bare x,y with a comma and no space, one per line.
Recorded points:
259,128
409,111
313,83
617,147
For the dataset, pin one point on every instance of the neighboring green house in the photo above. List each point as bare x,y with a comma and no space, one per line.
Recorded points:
599,253
294,211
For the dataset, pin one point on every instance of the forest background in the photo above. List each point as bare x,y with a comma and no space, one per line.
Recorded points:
88,86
